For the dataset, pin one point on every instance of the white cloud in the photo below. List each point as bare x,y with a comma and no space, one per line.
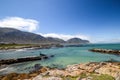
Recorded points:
65,37
19,23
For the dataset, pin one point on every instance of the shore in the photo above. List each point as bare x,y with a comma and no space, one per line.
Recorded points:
84,71
108,70
27,46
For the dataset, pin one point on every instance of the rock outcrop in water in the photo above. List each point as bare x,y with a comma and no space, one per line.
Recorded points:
19,60
106,51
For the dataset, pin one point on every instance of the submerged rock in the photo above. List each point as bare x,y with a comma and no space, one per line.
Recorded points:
25,59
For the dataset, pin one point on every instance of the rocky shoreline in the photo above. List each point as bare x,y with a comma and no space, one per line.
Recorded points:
84,71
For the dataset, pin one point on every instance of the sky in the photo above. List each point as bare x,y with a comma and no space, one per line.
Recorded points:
94,20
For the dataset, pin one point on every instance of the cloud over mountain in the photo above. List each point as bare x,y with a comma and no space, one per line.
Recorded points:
19,23
65,36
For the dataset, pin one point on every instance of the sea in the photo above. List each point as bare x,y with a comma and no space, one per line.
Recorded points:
62,57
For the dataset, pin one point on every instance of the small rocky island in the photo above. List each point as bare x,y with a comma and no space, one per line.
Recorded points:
106,51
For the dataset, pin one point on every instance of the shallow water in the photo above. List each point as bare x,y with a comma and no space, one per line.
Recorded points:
63,57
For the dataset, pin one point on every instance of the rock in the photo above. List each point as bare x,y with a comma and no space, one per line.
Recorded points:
10,76
76,73
44,69
108,51
23,76
71,68
33,75
109,69
5,78
117,76
39,77
52,55
87,78
37,66
42,54
52,78
44,73
79,78
56,72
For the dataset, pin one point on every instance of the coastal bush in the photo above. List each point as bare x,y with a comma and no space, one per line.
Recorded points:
69,78
102,77
83,75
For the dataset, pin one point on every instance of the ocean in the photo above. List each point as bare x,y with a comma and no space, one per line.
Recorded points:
63,57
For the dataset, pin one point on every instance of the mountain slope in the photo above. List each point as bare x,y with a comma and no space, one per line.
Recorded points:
77,41
55,40
9,35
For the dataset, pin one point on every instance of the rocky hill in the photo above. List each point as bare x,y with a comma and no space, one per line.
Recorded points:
10,35
77,41
55,40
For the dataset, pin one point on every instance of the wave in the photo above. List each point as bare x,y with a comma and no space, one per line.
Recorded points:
21,50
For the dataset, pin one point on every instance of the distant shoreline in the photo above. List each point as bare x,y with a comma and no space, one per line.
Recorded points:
27,46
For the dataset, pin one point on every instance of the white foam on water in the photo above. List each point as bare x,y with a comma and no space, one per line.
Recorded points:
7,70
21,50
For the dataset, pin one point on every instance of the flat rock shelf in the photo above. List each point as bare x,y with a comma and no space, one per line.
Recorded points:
19,60
106,51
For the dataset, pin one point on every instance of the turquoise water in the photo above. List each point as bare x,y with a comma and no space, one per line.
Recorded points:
63,57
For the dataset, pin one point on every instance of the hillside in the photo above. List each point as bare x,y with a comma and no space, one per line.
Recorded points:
77,41
10,35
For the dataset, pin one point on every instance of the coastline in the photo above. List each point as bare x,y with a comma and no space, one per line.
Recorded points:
7,47
72,72
76,71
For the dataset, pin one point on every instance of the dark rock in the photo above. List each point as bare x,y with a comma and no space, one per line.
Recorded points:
106,51
42,54
37,66
52,55
12,61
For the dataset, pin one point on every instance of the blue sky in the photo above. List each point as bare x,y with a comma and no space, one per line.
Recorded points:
96,20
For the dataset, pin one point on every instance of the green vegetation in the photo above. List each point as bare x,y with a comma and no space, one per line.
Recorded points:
102,77
83,75
70,78
19,46
93,76
9,45
15,46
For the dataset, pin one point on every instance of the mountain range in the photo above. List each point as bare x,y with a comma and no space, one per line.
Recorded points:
10,35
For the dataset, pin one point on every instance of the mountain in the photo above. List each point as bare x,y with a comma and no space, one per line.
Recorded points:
55,40
77,41
10,35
